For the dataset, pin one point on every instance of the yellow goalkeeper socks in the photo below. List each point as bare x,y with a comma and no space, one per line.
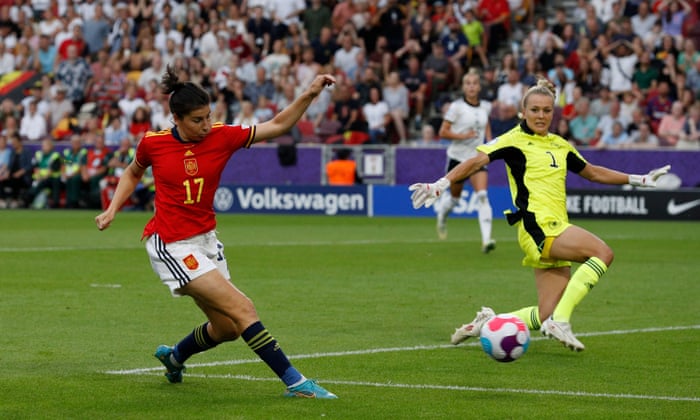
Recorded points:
583,280
530,316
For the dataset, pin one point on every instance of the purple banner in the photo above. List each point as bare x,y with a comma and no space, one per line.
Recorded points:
261,165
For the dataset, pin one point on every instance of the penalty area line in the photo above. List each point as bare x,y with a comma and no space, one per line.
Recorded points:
576,394
395,349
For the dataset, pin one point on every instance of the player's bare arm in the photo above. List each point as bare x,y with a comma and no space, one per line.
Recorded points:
468,167
127,184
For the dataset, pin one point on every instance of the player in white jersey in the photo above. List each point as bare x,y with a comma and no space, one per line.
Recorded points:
466,126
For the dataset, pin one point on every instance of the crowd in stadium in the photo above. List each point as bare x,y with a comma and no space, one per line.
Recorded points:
627,72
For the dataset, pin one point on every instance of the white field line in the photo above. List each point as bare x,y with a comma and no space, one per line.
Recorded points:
152,371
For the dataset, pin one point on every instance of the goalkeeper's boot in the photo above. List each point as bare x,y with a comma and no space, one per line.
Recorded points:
174,373
473,329
309,389
441,226
562,332
488,246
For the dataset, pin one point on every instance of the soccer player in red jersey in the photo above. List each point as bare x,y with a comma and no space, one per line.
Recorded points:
187,161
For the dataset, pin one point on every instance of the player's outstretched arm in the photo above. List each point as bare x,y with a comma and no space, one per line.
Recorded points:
126,186
603,175
425,194
289,116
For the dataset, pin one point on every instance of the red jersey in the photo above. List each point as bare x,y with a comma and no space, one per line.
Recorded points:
187,176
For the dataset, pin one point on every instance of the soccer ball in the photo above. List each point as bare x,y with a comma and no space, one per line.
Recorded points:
505,337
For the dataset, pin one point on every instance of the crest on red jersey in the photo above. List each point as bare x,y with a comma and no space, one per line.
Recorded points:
191,166
191,262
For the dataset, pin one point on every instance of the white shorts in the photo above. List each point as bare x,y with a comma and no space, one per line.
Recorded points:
178,263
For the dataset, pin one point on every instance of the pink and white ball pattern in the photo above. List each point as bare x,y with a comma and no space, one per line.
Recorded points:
505,337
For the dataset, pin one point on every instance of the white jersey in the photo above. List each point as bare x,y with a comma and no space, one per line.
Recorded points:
465,117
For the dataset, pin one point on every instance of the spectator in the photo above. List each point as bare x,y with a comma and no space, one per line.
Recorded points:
345,57
563,130
658,104
93,168
152,72
495,15
456,49
644,20
539,36
262,86
530,72
645,75
33,124
438,70
583,52
274,61
45,55
324,46
46,176
259,29
671,125
614,139
49,25
96,29
342,170
75,74
692,80
416,81
642,138
223,55
247,115
307,68
161,118
390,21
376,113
140,123
666,48
591,27
629,105
395,94
560,74
20,178
569,39
381,60
115,131
36,95
166,31
607,121
547,56
672,13
107,89
509,96
489,85
621,57
601,104
346,110
604,10
474,30
7,60
688,57
342,13
316,17
690,136
583,126
193,41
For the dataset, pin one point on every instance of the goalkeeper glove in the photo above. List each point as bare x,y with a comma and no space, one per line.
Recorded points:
648,180
426,194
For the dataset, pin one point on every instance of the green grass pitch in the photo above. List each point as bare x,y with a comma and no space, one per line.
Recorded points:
364,305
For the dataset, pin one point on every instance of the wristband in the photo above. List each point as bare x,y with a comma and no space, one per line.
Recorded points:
442,184
636,180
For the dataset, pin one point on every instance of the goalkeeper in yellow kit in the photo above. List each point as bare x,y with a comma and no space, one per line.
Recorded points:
537,163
